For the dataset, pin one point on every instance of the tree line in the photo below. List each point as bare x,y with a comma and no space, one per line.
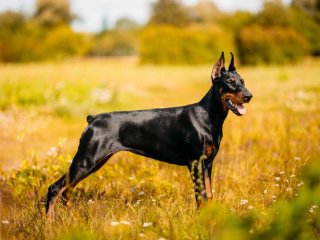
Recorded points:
174,34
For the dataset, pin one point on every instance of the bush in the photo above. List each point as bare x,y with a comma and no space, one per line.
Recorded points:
308,28
170,45
62,42
270,45
116,43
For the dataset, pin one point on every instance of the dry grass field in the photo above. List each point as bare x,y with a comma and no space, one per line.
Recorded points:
266,178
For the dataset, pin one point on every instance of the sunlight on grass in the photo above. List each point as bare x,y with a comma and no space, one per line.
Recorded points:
266,180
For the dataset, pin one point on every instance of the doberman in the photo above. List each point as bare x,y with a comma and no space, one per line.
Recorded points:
177,135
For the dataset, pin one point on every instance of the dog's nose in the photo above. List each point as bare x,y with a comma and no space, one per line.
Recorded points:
247,98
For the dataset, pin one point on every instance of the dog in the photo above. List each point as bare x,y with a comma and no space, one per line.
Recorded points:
177,135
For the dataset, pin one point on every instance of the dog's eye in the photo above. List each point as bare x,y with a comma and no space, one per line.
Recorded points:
232,83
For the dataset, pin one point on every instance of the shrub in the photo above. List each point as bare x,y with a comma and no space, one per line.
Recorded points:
62,42
116,43
170,45
270,45
308,28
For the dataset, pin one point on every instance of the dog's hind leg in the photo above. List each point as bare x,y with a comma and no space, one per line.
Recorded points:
92,154
75,176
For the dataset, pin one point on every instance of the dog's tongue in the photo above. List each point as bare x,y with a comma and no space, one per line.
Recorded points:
241,109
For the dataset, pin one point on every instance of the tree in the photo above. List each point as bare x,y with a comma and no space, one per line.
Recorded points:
205,11
50,13
169,12
125,24
11,20
309,7
274,13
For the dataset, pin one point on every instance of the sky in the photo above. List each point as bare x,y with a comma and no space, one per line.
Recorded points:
92,13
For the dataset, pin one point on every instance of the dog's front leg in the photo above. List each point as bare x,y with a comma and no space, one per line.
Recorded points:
207,181
201,176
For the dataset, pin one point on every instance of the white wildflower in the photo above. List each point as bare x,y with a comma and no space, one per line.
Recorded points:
313,208
300,184
243,202
125,222
114,223
62,141
101,95
277,178
147,224
282,172
250,207
52,152
5,222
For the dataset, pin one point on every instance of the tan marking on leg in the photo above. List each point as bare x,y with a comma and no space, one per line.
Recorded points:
208,185
209,149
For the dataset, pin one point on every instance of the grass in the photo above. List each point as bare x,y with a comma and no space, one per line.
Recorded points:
260,188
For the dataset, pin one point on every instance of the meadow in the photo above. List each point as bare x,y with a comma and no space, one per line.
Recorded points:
266,176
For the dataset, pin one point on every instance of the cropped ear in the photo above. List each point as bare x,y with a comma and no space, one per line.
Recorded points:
218,67
231,66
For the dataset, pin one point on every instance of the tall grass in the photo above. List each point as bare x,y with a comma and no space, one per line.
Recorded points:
260,188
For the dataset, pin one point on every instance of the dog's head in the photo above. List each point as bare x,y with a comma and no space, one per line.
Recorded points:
229,87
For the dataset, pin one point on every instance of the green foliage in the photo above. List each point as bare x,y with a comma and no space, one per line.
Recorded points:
62,42
309,7
125,24
31,43
115,43
11,21
169,12
308,28
274,13
170,45
203,12
50,13
270,45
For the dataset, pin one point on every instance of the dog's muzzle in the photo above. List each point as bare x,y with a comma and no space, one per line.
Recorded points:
237,109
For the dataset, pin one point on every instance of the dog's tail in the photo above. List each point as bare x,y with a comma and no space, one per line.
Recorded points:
90,118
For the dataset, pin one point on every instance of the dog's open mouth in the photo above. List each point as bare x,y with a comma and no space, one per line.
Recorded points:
237,109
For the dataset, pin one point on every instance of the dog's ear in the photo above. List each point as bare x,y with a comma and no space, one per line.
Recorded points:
218,67
231,66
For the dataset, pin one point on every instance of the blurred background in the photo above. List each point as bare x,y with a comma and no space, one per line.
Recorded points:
61,60
161,32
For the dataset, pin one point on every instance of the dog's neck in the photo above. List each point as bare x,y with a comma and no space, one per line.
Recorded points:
212,104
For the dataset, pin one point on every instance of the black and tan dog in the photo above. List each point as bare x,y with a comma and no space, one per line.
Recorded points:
177,135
